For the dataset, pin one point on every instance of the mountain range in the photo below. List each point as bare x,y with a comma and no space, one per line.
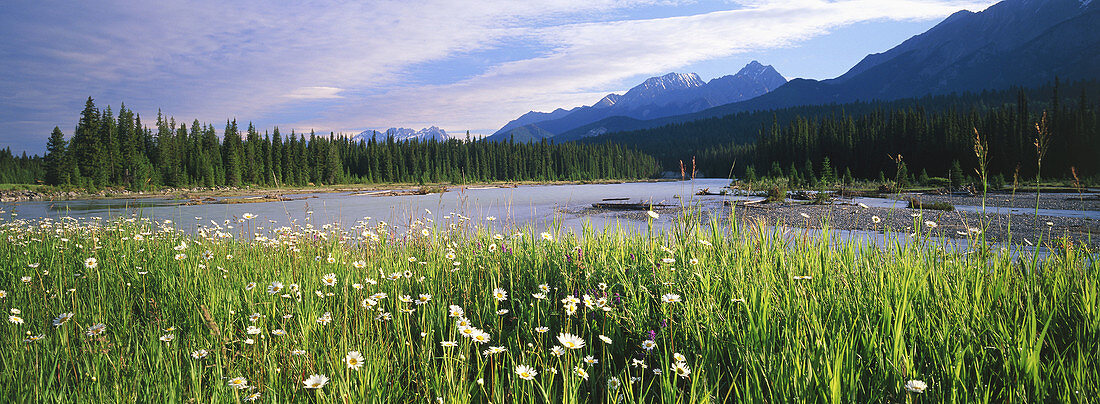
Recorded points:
1012,43
656,97
400,134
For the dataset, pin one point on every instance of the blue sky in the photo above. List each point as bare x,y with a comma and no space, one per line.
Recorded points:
462,65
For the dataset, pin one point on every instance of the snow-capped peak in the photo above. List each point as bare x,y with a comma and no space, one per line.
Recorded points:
424,134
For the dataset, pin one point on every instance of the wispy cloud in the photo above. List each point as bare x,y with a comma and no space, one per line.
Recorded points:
355,62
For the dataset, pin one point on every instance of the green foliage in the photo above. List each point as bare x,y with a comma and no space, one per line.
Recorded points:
931,132
755,314
174,156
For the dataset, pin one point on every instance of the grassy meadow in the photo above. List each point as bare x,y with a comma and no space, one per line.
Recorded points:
455,310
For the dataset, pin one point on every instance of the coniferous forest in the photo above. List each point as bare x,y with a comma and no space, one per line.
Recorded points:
933,135
109,149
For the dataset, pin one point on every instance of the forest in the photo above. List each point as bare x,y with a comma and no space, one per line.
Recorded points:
106,150
932,134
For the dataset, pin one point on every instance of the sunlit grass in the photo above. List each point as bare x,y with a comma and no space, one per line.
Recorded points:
714,313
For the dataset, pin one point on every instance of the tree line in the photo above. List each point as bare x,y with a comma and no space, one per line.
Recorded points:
109,150
932,134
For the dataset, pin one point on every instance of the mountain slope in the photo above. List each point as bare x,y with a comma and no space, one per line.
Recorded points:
668,95
1014,42
405,134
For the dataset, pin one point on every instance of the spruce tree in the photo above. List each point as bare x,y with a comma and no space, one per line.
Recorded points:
57,170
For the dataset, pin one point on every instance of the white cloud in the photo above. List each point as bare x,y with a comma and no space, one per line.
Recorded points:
591,56
254,61
315,93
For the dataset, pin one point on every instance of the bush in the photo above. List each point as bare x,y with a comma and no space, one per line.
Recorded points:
917,204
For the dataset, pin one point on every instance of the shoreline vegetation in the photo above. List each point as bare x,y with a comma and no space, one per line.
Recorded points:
463,310
23,192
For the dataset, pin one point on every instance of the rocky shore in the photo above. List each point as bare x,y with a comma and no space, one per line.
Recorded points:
1020,229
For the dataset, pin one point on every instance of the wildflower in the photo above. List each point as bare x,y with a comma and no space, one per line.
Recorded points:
875,219
253,330
200,354
359,264
591,360
481,337
649,344
570,308
96,329
657,372
502,312
652,214
405,298
526,372
916,386
298,352
248,216
547,236
668,260
255,316
705,243
34,338
681,369
930,224
500,294
274,288
557,351
91,263
493,350
3,294
544,288
542,330
325,318
329,279
62,319
670,298
605,339
279,332
539,296
316,381
167,338
570,341
253,397
614,383
455,310
181,257
423,298
238,383
679,357
448,344
14,319
579,371
353,360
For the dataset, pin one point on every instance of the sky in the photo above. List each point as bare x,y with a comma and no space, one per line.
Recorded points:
349,66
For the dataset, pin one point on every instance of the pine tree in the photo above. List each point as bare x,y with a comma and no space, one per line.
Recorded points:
85,144
56,160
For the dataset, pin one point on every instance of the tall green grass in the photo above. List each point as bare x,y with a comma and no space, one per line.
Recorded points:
765,314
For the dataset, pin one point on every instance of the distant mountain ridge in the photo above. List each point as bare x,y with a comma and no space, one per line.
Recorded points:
667,95
1015,42
424,134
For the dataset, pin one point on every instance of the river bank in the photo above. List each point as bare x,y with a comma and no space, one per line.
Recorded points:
1062,215
40,193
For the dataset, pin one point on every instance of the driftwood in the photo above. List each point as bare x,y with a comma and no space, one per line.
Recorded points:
628,206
